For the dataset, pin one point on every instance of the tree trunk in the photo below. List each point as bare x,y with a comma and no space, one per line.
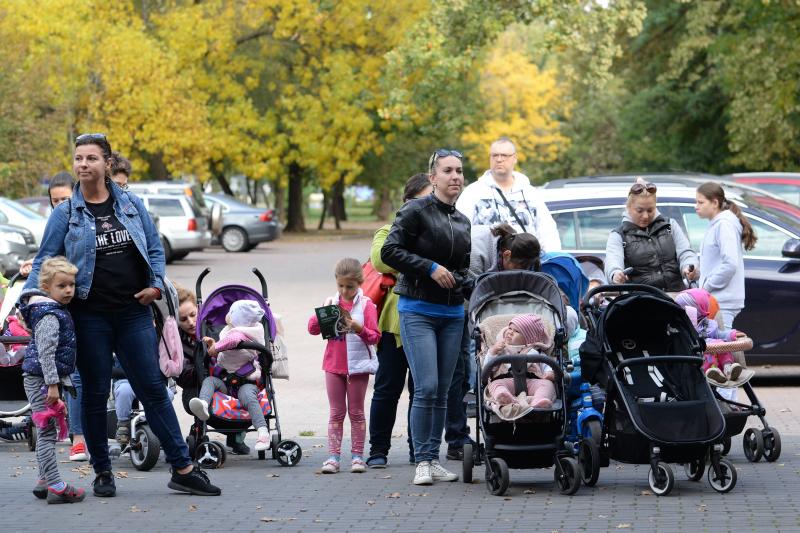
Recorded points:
280,199
158,170
295,221
337,202
325,200
384,209
223,182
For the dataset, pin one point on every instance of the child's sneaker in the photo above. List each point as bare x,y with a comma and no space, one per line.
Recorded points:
40,490
733,371
440,473
716,375
331,466
263,442
68,495
199,408
423,476
78,452
358,466
123,435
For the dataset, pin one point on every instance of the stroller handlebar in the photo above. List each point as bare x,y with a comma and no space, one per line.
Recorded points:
260,348
658,359
486,371
620,288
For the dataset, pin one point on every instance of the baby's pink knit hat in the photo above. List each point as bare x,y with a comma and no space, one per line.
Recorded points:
533,330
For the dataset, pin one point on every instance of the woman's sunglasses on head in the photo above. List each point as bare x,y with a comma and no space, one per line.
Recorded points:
443,152
639,188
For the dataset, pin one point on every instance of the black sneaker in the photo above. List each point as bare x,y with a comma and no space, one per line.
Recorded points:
104,486
240,448
14,433
194,482
455,454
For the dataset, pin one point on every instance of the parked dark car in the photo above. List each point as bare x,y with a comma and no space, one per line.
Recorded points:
586,214
243,226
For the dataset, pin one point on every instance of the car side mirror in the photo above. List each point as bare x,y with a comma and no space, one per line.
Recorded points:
791,248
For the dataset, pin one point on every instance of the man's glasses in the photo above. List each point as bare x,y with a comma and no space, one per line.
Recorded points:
502,157
442,152
639,188
91,137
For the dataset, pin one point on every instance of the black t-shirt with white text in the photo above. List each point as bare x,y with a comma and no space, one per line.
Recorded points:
120,271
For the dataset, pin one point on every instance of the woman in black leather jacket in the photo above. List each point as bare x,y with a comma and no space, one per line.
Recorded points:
429,245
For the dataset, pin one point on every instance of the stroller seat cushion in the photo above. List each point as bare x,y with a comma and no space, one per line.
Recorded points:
491,327
230,408
744,377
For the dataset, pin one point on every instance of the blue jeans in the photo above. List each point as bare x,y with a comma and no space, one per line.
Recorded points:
74,405
131,335
389,382
432,346
456,431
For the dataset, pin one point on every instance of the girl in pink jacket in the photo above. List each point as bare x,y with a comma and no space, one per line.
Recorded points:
348,361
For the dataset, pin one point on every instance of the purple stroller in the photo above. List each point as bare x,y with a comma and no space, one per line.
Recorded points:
226,417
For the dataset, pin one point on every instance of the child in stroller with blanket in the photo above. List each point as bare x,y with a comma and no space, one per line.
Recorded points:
240,366
525,334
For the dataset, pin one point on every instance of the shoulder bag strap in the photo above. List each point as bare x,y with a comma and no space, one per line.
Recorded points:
511,209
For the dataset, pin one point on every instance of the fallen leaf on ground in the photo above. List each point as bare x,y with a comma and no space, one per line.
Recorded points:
134,509
393,495
623,526
121,474
387,476
318,445
258,507
273,475
602,516
271,519
370,502
507,499
702,508
192,508
529,491
645,492
785,410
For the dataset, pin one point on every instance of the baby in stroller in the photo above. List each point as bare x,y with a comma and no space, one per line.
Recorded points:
236,368
525,334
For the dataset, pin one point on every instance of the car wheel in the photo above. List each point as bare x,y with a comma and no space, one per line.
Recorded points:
168,256
178,256
234,240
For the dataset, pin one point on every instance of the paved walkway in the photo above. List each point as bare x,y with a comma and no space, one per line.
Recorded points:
264,496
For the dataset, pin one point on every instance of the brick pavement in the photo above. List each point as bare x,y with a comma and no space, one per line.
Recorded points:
262,496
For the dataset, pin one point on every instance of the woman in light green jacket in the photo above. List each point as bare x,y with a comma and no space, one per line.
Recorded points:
393,366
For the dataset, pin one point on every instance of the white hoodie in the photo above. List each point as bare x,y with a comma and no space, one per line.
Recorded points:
482,203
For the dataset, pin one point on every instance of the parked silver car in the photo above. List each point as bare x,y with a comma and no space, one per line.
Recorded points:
243,226
183,228
16,245
19,215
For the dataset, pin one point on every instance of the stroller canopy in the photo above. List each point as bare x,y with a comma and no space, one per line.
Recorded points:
568,274
215,308
514,285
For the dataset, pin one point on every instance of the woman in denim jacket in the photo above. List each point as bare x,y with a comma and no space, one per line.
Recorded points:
107,233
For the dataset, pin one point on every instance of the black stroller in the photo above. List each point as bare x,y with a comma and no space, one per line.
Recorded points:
532,437
659,408
227,415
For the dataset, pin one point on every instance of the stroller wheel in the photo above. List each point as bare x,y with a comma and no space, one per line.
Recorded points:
32,435
727,478
497,476
567,475
772,444
695,469
289,453
467,463
753,443
191,442
145,448
661,483
589,459
209,454
275,440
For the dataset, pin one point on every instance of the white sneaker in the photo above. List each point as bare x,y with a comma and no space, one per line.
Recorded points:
423,474
716,375
440,473
199,408
263,441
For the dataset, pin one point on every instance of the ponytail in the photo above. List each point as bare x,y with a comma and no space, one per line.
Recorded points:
714,193
748,233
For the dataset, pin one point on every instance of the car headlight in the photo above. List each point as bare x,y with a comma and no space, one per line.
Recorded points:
12,236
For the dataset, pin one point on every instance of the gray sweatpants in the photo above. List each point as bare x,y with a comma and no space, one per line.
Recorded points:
46,438
248,396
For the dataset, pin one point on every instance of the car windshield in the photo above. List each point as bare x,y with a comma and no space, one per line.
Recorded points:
22,210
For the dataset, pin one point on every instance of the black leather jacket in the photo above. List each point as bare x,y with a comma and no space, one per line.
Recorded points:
428,231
